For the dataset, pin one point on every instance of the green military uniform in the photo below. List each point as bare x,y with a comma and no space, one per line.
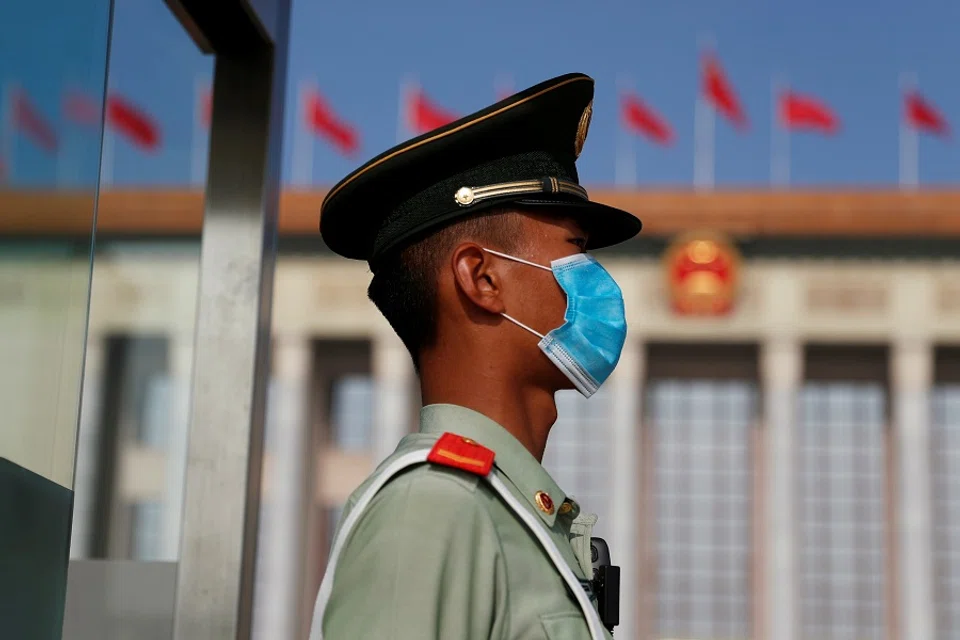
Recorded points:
438,554
466,536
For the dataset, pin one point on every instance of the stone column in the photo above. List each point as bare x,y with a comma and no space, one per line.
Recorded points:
286,494
393,382
781,371
626,387
912,373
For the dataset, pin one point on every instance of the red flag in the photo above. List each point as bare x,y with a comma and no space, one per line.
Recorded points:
720,93
321,119
423,115
803,112
920,114
28,119
133,123
640,118
81,109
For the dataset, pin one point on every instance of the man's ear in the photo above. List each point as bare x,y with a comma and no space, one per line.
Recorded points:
476,276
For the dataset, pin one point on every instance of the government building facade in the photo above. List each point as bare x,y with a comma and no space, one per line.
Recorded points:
776,456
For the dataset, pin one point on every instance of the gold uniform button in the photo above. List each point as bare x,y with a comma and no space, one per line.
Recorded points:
565,508
468,441
544,502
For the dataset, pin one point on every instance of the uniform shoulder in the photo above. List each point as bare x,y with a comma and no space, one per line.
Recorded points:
454,464
426,498
430,482
454,467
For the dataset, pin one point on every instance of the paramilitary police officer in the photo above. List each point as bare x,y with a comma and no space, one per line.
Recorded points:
477,234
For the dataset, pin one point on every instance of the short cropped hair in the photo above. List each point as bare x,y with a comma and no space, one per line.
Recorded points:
404,285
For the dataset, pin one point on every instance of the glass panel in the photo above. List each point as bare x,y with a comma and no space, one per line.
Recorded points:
53,61
52,79
131,462
131,454
841,509
702,501
945,459
579,451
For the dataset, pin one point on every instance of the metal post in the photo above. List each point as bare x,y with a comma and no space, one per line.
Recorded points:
238,251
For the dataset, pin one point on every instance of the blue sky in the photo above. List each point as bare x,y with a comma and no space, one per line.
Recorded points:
850,53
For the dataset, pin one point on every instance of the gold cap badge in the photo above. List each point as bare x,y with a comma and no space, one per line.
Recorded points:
582,129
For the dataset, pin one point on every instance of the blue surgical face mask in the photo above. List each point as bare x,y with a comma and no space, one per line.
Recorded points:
587,346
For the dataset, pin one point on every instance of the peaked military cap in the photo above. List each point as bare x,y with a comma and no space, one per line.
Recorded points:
521,150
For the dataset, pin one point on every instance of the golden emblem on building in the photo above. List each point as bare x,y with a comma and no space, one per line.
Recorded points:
702,270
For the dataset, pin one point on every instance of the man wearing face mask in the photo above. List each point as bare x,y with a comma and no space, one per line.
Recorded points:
477,234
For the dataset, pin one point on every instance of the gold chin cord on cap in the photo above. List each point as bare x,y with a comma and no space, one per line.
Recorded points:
466,196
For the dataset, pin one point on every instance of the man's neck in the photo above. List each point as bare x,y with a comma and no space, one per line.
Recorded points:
527,412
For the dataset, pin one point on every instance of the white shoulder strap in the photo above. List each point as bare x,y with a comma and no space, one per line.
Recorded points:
528,519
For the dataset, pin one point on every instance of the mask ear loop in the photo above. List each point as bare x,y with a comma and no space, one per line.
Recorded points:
523,326
526,262
516,259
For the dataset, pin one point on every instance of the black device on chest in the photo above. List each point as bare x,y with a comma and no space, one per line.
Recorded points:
605,583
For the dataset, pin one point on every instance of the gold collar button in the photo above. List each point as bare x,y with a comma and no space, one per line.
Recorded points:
544,502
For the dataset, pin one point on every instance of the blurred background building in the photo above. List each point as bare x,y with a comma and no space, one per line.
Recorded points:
778,453
788,405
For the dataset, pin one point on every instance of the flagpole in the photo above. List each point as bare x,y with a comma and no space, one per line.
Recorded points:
703,152
196,143
7,130
63,158
704,128
302,141
625,169
408,84
909,138
63,153
779,137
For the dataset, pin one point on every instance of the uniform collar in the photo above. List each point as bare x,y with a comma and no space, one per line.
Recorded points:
512,458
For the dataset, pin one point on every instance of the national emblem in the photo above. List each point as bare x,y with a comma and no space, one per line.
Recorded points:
702,271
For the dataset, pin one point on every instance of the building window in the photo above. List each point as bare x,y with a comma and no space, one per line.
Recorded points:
841,444
135,495
701,440
147,541
351,412
701,408
343,400
843,493
945,467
